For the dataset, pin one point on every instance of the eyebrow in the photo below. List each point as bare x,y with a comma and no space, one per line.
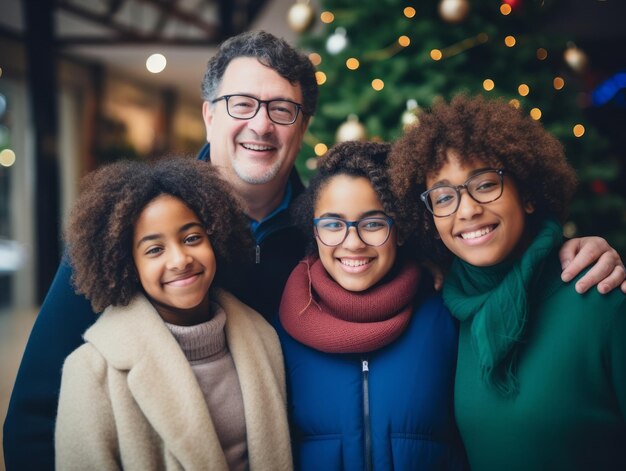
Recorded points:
373,212
269,99
157,236
445,181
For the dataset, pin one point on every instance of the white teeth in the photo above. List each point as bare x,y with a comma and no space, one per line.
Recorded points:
256,147
474,234
354,263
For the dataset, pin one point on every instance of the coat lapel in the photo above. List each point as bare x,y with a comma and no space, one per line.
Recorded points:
134,338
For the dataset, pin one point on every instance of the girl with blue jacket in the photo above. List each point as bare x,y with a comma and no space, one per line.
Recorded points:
370,355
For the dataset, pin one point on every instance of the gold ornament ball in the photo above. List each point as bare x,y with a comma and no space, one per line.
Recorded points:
454,11
300,17
576,59
351,130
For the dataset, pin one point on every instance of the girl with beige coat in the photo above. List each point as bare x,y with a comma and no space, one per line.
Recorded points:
176,373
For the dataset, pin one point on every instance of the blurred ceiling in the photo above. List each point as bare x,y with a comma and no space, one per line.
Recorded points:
122,33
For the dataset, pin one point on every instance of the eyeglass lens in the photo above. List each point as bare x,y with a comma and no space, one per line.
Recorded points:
372,231
484,187
245,107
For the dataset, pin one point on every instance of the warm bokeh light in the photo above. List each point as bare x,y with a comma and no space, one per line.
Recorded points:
436,54
409,12
542,54
404,41
320,77
523,89
315,58
505,9
558,83
514,102
0,71
156,63
311,163
535,114
320,149
378,84
488,84
578,130
7,158
352,63
327,17
510,41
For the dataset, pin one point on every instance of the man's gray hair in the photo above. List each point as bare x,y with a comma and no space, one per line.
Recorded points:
270,51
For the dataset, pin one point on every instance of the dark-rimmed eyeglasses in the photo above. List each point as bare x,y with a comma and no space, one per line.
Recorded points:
283,112
483,187
373,231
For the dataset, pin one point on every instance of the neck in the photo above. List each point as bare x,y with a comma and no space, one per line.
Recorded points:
260,200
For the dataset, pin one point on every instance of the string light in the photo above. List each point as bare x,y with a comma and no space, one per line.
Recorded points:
7,158
436,54
378,84
578,130
488,85
327,17
320,77
409,12
505,9
404,41
514,102
352,63
156,63
315,58
320,149
558,83
510,41
535,114
523,89
542,54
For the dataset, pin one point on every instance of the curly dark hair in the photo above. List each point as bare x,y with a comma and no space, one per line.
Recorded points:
270,51
100,228
493,132
353,158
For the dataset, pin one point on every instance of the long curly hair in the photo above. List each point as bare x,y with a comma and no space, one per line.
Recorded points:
478,129
353,158
99,233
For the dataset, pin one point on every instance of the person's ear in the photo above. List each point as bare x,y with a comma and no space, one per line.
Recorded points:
529,207
207,117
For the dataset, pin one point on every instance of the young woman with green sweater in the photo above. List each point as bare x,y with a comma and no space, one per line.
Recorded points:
541,373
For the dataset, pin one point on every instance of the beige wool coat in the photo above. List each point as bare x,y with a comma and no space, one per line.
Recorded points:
129,398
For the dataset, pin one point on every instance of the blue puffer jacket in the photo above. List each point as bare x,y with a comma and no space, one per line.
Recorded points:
391,409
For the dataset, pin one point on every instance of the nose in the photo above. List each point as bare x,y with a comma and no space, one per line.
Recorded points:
178,258
468,207
261,123
352,240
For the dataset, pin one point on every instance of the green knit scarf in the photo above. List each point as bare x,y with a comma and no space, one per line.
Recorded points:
495,300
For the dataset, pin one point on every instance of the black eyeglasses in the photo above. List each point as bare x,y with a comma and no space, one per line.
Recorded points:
373,231
246,107
483,187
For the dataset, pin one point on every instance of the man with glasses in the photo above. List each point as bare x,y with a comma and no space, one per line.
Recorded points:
259,95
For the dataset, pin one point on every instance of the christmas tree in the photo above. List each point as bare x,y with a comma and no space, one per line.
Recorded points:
380,62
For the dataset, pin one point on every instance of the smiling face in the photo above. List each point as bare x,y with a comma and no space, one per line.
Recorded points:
256,151
481,234
354,265
174,260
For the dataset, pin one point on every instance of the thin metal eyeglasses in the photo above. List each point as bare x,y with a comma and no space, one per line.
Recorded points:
373,231
483,187
283,112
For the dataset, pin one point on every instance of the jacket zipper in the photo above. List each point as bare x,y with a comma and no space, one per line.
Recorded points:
257,256
365,369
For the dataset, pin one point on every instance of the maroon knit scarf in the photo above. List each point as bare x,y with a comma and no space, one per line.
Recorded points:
318,312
